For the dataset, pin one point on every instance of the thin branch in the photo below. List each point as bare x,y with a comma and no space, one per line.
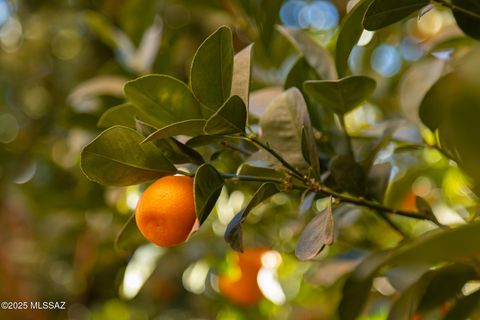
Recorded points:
236,148
277,156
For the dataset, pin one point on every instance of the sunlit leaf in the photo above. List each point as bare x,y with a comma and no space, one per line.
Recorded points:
163,98
241,74
117,157
212,69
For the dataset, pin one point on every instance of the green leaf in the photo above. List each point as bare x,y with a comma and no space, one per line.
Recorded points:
229,119
163,98
350,32
208,185
233,233
282,124
172,149
188,128
357,287
212,69
383,13
464,307
129,236
406,305
241,74
469,23
123,115
446,283
300,72
348,174
457,244
452,109
341,96
117,158
250,170
318,233
317,56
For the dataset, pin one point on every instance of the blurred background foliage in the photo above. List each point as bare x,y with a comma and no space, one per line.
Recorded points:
63,63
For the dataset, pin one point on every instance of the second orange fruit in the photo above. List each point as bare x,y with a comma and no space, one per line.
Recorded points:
166,211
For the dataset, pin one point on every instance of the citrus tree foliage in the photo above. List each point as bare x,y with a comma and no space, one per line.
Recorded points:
300,145
365,181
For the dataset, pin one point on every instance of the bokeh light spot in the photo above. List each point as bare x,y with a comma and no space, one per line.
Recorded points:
8,128
386,60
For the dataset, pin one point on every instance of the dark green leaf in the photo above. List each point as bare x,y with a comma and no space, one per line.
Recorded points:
318,233
468,22
229,119
406,305
233,232
383,13
241,74
208,185
350,32
188,128
464,307
117,158
348,174
341,96
317,56
357,287
163,98
446,283
282,124
212,69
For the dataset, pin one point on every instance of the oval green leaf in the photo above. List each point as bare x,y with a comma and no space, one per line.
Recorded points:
117,158
212,69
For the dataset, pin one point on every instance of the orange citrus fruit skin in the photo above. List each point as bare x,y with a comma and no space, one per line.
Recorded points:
166,211
243,290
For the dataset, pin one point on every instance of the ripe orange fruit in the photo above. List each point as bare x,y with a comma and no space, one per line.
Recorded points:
166,211
242,287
